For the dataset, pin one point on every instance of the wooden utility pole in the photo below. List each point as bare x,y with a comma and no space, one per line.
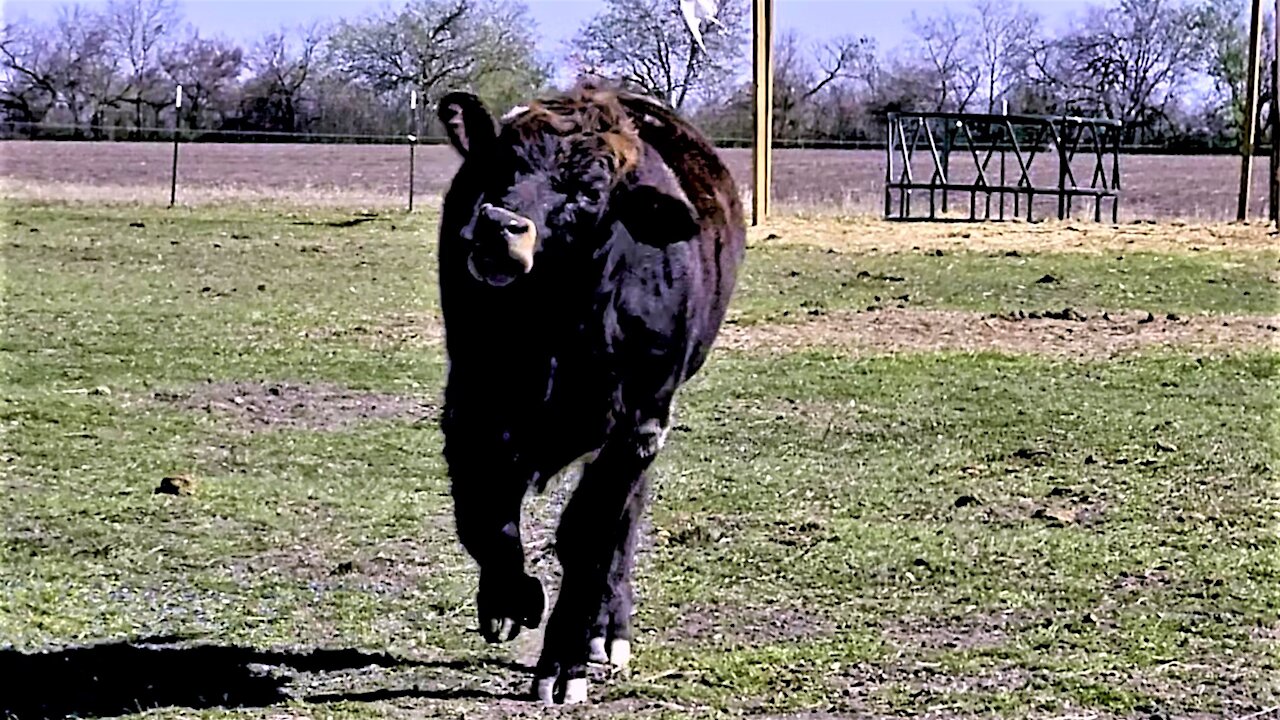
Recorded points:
1274,205
762,78
1250,110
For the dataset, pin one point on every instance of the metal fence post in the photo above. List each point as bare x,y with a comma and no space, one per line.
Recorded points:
413,139
177,126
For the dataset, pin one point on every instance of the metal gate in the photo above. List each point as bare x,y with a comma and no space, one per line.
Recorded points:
925,143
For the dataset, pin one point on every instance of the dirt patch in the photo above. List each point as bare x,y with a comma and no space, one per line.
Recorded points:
868,688
977,631
746,626
392,331
1169,690
256,406
906,330
1240,687
389,567
863,234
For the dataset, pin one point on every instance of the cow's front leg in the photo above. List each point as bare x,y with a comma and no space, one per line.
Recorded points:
595,525
612,633
488,489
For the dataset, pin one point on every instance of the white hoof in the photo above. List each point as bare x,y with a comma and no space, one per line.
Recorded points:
651,436
575,691
620,653
595,652
547,690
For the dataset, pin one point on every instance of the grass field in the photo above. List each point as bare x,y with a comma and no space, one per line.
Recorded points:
931,471
848,181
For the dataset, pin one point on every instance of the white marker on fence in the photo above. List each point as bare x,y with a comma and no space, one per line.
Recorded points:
177,98
1004,107
413,99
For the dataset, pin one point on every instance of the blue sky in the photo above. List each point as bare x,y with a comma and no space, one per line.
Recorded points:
558,19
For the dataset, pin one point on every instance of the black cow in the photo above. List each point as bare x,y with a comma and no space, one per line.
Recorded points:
589,246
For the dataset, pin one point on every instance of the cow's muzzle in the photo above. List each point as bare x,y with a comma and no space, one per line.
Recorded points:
507,242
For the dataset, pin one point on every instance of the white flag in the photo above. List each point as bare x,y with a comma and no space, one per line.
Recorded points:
696,11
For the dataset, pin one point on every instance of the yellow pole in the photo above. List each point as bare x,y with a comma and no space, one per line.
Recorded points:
1274,200
762,78
1250,110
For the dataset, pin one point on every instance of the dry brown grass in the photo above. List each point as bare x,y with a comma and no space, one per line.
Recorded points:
864,234
152,195
899,330
903,330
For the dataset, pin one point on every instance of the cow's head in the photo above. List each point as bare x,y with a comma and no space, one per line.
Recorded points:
561,175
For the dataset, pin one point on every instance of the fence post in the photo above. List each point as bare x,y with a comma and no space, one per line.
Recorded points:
177,126
413,139
1251,111
888,162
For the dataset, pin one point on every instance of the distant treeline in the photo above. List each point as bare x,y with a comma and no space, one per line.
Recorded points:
1173,71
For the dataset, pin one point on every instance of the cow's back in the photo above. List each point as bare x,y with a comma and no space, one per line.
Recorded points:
713,258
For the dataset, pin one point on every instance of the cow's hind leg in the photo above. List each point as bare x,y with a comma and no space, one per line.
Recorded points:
595,523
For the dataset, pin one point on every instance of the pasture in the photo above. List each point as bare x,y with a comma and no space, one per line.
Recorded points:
943,471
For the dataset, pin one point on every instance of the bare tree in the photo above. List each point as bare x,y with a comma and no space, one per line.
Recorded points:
1224,37
282,63
136,29
208,70
646,44
1126,61
797,80
439,45
82,67
28,86
946,42
1003,43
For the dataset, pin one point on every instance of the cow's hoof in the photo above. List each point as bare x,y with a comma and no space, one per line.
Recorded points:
506,608
620,653
596,652
650,437
575,691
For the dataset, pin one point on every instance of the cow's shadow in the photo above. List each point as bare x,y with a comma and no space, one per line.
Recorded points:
128,677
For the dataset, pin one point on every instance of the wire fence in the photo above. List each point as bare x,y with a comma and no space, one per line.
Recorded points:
20,130
342,168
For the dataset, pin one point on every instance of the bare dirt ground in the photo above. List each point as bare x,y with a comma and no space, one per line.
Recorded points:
899,330
1066,333
257,406
848,181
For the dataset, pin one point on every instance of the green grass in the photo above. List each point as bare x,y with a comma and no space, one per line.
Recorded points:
967,534
795,281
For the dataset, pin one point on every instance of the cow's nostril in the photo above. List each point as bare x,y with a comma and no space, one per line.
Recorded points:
508,222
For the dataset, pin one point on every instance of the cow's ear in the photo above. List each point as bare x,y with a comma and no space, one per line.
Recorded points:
655,216
467,122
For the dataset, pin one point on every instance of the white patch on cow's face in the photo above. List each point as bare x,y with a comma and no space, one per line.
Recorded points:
513,112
